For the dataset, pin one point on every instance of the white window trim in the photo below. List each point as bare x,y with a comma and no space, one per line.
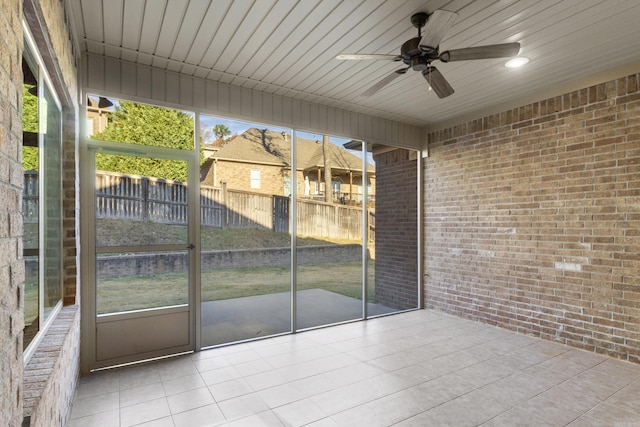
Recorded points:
44,326
255,179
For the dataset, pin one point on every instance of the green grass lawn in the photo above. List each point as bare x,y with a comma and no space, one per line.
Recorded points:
117,232
140,292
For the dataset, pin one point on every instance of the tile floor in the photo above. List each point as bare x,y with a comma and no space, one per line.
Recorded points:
421,368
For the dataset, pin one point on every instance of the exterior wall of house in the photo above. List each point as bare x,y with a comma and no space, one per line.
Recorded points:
396,242
11,265
532,219
300,183
97,120
238,177
50,404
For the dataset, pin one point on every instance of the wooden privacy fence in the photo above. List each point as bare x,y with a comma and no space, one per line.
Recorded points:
139,198
319,219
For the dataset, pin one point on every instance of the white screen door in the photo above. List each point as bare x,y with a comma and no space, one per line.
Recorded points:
140,254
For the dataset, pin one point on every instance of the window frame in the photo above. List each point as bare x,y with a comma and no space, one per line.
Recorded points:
255,181
43,78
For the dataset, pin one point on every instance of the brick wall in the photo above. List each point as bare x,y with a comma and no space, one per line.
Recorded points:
62,62
70,209
396,230
53,371
532,219
11,265
238,177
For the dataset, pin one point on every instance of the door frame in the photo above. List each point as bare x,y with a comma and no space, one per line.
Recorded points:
88,295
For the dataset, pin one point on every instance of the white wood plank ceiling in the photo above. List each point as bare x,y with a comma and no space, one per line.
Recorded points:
289,48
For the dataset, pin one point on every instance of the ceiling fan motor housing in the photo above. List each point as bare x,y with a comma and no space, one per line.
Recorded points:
412,54
420,63
410,48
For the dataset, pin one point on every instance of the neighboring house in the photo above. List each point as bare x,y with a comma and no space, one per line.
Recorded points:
98,111
259,161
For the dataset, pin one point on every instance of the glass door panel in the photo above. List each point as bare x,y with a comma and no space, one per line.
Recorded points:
141,281
245,239
142,286
329,233
137,210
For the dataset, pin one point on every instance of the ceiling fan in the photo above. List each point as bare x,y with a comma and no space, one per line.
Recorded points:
418,53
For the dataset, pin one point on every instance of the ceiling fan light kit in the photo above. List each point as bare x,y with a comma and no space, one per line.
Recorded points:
418,53
517,62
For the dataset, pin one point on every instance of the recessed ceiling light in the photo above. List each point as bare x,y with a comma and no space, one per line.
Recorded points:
516,62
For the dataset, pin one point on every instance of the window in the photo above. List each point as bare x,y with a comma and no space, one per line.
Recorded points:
287,186
336,187
42,198
90,125
255,178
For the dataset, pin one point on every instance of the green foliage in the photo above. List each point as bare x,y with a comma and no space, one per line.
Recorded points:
29,109
221,132
145,166
29,124
144,124
30,158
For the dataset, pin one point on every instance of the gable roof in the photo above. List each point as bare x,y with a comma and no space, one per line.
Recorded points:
250,147
271,147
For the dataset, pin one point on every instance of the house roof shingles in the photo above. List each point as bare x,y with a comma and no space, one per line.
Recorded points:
265,146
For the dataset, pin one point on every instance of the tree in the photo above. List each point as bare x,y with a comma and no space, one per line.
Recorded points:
217,135
147,125
221,132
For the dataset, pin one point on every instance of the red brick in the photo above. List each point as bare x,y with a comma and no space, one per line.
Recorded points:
567,185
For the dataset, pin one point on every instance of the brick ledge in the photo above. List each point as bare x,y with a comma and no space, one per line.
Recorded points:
39,370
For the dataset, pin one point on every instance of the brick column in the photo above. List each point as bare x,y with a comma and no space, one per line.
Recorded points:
11,181
396,230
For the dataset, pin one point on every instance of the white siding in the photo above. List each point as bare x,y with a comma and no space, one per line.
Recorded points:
137,82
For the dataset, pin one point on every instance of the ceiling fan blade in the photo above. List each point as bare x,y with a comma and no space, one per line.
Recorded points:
368,56
489,51
435,29
385,81
438,83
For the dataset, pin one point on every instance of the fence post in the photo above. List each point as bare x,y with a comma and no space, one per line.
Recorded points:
144,194
274,213
336,222
225,217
